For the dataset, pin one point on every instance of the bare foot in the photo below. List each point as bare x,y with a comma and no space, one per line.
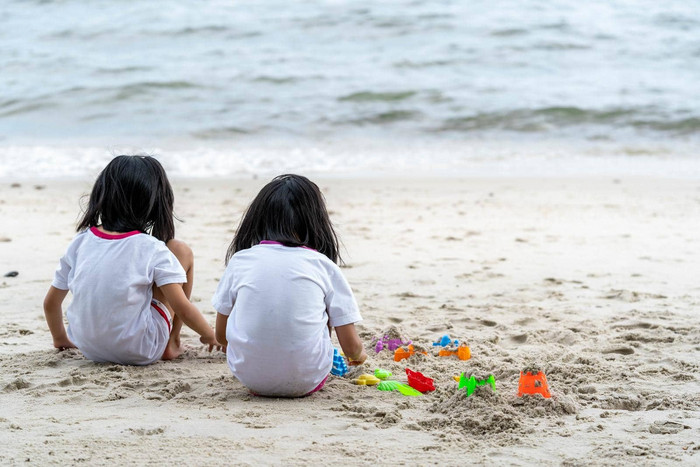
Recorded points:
173,350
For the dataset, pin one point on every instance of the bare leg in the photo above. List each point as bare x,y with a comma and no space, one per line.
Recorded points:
184,254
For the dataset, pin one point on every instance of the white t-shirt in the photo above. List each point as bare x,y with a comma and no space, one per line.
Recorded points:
280,301
111,278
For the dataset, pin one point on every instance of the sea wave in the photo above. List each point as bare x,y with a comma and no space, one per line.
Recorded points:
110,71
543,119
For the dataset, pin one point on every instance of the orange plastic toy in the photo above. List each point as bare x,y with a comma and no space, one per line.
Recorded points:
401,353
533,384
463,352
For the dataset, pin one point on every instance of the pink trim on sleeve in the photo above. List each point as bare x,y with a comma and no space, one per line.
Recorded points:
107,236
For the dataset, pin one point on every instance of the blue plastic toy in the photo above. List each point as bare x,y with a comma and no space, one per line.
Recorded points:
445,341
339,365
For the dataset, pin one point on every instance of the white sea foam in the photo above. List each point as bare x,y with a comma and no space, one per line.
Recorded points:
366,159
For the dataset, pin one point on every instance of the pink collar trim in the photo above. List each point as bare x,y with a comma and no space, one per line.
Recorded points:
272,242
107,236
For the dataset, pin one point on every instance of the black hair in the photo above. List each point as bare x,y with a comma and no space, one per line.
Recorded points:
290,210
132,193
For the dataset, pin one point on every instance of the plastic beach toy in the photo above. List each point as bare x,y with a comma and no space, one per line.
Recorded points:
390,344
445,341
382,374
472,383
388,385
367,380
419,381
533,384
396,386
402,353
463,352
407,390
339,366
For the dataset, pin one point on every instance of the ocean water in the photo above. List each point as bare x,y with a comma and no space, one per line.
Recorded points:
250,87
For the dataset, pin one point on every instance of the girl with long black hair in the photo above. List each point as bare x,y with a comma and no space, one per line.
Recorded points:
283,291
130,278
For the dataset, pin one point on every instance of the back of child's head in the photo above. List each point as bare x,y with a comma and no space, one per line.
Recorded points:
132,193
290,210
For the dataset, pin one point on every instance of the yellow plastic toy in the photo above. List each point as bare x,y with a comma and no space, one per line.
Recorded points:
367,380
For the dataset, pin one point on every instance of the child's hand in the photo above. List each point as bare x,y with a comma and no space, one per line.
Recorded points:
358,360
63,344
351,344
210,340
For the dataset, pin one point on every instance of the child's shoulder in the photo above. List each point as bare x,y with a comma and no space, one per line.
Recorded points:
149,239
79,238
150,244
318,259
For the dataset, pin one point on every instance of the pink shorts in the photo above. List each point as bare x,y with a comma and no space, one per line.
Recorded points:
317,388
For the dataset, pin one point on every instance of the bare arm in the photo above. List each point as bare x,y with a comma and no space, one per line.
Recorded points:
189,313
54,318
351,344
221,321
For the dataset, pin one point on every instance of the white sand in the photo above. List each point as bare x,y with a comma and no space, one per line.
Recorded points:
594,280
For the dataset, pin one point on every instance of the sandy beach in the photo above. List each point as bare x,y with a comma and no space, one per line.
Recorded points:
593,280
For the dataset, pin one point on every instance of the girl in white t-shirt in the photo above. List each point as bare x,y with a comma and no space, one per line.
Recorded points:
282,292
130,279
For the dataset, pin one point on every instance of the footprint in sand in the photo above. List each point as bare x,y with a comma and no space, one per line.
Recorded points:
553,280
72,381
635,325
487,322
519,339
667,427
631,296
620,350
17,384
439,328
147,431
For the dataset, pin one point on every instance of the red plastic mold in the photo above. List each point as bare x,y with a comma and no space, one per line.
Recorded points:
419,381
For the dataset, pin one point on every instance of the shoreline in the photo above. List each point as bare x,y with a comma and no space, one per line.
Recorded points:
365,159
363,178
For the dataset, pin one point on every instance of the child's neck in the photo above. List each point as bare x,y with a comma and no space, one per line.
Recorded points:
108,232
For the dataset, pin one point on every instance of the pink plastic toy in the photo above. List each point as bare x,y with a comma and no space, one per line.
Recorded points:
389,344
